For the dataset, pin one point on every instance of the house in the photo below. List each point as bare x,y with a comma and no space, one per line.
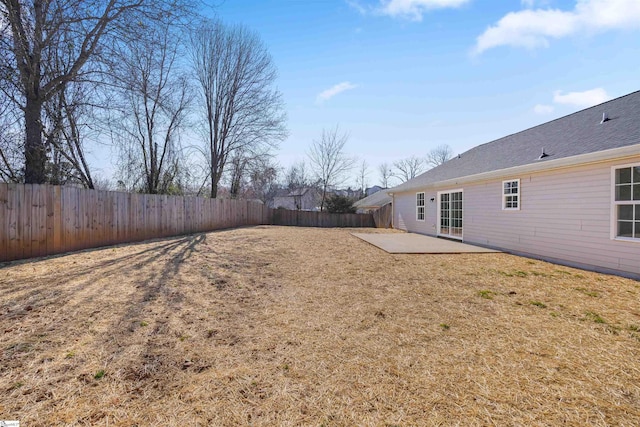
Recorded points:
372,190
300,199
566,191
348,193
372,202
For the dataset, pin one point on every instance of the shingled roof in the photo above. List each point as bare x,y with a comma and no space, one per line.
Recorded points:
376,200
578,133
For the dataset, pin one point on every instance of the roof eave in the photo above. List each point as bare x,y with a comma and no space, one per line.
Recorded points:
565,162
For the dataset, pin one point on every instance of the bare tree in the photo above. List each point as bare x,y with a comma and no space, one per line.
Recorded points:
35,32
329,161
242,109
238,168
386,173
363,173
252,175
409,168
263,176
297,176
154,95
439,155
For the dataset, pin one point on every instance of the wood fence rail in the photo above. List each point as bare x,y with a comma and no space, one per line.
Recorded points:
42,220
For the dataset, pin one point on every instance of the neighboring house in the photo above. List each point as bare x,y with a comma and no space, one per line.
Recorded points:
567,191
372,190
372,202
301,199
349,193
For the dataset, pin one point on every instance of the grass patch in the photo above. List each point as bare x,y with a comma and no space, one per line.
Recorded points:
100,374
486,294
587,292
595,317
517,273
540,274
538,304
566,273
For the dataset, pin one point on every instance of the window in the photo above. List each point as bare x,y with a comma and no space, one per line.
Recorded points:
420,206
627,202
511,194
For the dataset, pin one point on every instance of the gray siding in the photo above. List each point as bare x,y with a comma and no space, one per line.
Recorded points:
404,212
565,215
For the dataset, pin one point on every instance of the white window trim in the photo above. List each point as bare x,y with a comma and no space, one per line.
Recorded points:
504,196
424,206
615,203
439,216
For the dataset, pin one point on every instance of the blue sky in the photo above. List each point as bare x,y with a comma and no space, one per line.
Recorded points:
403,76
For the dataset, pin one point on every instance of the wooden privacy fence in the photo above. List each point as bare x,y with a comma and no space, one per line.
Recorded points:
382,216
40,220
320,219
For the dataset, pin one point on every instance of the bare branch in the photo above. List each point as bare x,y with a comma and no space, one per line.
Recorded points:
439,155
386,173
409,168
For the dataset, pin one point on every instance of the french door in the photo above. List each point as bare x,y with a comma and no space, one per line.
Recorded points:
450,214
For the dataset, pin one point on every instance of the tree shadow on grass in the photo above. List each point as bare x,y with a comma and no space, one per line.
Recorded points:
52,289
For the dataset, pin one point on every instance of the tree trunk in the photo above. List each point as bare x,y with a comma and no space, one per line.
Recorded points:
214,188
324,196
34,150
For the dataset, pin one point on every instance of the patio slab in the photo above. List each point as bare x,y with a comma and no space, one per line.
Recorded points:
412,243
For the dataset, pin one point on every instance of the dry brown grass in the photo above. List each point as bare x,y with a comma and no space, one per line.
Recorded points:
289,326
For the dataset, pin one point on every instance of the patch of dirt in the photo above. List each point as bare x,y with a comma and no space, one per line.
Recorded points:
297,326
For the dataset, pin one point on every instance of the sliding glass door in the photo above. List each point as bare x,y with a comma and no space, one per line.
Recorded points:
450,214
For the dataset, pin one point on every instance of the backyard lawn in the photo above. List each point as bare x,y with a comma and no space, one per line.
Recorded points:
277,326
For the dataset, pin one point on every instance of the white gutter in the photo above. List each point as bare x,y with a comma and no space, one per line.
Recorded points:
565,162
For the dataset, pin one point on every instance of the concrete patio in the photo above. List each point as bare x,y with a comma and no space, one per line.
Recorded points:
412,243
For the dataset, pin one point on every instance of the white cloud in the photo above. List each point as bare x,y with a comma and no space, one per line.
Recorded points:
334,90
357,6
414,9
534,28
533,3
585,99
543,109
